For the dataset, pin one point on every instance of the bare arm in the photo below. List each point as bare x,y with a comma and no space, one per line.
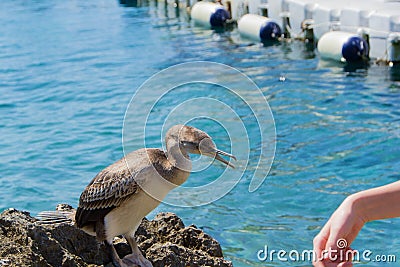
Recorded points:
356,210
378,203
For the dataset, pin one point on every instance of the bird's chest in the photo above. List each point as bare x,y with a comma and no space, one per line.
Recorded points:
127,217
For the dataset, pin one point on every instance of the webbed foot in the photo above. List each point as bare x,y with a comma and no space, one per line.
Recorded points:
137,260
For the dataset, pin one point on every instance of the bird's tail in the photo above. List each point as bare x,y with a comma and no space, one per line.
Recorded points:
57,216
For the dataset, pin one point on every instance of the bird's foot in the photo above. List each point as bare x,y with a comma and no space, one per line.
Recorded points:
124,263
138,260
119,263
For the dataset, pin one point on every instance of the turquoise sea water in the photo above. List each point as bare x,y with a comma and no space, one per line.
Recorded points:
68,70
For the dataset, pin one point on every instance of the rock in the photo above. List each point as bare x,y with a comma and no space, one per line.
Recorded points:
165,241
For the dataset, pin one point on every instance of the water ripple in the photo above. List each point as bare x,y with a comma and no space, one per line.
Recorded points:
68,70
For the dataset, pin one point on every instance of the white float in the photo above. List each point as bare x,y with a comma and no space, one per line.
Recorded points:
379,18
209,14
259,28
343,46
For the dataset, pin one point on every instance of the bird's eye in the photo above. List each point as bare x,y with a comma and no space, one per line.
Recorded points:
188,144
185,144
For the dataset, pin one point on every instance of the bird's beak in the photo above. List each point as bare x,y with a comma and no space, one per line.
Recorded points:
218,157
208,148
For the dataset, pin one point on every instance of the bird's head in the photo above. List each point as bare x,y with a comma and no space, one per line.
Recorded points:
194,141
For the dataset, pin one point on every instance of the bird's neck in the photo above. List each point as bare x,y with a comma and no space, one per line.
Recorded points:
178,158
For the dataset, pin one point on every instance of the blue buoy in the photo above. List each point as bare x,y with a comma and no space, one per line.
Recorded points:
259,28
219,17
209,14
270,31
343,46
355,49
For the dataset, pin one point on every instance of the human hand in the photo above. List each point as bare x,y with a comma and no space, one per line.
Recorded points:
335,238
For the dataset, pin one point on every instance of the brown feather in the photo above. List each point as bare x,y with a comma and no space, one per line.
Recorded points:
116,183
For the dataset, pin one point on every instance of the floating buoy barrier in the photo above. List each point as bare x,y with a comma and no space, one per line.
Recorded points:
209,14
344,33
259,28
343,46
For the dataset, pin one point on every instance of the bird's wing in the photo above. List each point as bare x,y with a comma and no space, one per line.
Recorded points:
112,186
108,189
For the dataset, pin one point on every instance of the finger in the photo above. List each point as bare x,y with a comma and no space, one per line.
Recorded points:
345,264
328,263
323,263
334,238
319,246
320,240
318,264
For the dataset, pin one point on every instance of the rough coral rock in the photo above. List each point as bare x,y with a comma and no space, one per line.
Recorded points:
165,241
